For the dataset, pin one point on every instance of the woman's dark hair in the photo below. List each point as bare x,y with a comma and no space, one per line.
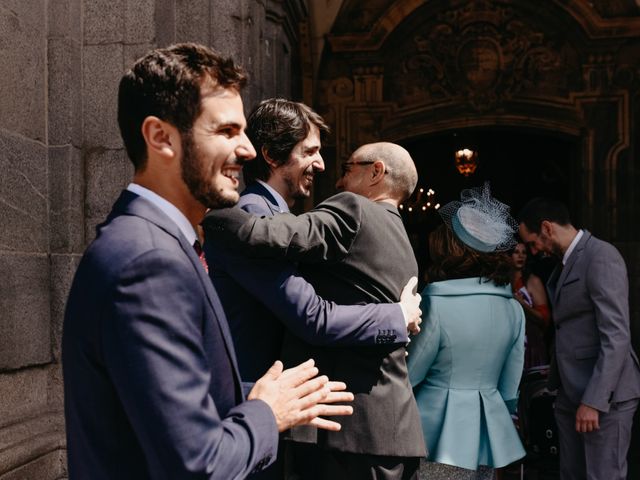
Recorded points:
167,83
277,125
526,269
452,259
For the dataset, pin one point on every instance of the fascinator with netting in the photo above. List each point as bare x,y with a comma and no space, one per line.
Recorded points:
480,221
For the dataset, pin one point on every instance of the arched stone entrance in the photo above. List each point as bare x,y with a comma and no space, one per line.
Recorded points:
406,70
428,67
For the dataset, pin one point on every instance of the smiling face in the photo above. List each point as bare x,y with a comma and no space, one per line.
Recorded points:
215,149
354,174
542,242
304,161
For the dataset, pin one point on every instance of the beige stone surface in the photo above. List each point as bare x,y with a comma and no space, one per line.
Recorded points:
25,337
23,86
23,194
23,393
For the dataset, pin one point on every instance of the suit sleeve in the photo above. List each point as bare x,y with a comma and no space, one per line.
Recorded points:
152,346
296,304
607,285
424,347
325,233
513,364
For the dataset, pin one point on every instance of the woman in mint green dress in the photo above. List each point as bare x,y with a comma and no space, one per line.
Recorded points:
465,364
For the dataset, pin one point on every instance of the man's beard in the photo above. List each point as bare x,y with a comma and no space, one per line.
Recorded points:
293,187
196,179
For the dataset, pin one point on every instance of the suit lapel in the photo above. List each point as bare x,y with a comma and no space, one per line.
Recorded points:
216,306
259,189
571,261
552,282
131,204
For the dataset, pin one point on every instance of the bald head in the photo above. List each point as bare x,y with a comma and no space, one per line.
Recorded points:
401,176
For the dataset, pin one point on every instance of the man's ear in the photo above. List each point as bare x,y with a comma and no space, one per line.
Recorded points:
267,158
546,228
162,138
377,172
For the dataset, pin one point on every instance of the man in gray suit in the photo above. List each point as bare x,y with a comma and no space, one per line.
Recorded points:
264,298
353,249
595,369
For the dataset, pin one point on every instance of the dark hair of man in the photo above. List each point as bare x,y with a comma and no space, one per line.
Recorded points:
167,83
451,259
277,125
539,209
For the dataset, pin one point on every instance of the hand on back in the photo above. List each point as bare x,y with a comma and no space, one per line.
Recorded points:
411,304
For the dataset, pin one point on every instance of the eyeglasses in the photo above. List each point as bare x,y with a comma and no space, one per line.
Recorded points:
346,166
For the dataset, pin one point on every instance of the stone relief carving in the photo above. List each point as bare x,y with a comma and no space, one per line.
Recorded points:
481,52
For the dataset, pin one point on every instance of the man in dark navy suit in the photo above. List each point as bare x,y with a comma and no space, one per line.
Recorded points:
264,298
152,389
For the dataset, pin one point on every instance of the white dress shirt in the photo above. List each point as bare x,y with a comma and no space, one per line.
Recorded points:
168,208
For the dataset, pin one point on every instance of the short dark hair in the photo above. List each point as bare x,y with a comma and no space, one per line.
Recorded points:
277,125
539,209
167,83
452,259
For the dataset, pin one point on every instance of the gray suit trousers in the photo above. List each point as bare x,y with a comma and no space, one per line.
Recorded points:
597,455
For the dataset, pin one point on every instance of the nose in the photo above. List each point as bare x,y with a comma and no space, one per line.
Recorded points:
318,163
245,148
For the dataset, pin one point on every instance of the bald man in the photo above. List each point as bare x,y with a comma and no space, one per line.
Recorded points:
353,248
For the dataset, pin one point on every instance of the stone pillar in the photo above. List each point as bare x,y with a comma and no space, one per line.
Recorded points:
31,432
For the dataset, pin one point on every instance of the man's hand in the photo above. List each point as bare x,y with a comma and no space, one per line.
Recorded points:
410,303
587,419
297,396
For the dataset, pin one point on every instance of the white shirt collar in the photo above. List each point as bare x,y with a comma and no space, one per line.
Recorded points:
284,208
572,247
168,208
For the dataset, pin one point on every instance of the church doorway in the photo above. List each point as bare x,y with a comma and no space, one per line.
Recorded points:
520,164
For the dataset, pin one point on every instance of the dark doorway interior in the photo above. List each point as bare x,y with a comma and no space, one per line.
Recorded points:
520,164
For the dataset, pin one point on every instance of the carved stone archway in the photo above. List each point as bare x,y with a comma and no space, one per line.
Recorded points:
425,67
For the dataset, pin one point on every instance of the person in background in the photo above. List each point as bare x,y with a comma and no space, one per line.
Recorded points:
529,290
594,367
465,365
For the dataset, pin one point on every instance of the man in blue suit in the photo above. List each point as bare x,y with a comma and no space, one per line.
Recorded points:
263,298
152,389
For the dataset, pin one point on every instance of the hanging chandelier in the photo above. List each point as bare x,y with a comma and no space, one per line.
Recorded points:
466,161
420,202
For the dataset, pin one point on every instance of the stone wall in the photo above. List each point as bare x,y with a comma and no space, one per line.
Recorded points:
62,165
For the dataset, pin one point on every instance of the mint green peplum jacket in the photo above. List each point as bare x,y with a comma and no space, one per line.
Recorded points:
465,366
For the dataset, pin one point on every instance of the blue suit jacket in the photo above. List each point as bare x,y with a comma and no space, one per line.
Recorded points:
263,296
152,389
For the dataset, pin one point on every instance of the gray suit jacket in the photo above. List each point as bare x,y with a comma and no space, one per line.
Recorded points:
594,362
354,251
263,297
